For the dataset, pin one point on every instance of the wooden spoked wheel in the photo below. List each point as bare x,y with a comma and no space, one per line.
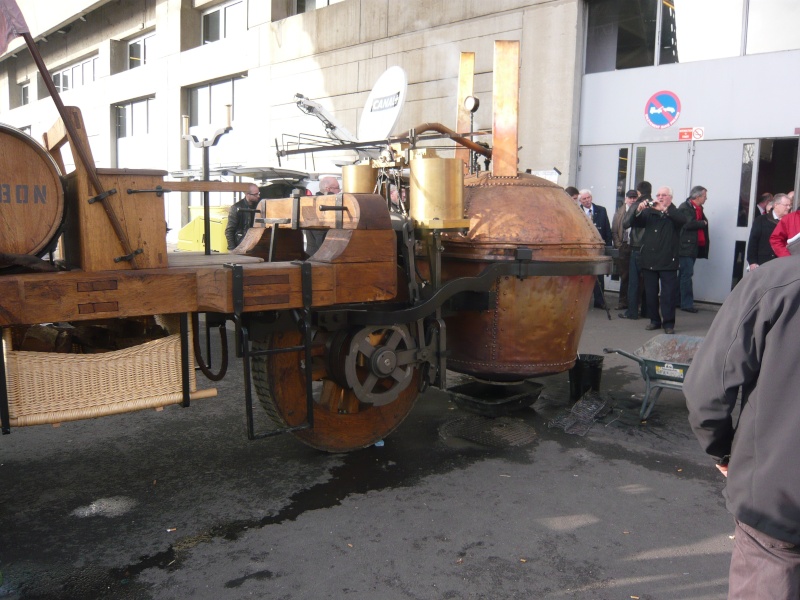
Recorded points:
341,421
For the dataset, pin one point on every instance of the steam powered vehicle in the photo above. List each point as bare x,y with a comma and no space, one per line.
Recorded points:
486,273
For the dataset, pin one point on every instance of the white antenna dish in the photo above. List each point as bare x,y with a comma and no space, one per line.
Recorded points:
383,105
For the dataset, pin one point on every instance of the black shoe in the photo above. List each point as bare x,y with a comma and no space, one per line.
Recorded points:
669,330
652,326
690,310
625,316
599,306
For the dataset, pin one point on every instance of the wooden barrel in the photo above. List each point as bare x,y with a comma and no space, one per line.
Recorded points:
31,195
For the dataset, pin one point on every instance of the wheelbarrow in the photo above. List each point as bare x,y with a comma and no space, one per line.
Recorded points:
664,361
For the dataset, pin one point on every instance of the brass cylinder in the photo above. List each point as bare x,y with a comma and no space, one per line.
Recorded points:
437,189
359,179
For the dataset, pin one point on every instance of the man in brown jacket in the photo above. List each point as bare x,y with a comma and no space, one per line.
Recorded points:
620,237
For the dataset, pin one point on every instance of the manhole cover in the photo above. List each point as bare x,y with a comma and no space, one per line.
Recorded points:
497,433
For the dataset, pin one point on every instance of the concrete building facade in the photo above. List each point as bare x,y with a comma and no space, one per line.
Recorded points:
135,67
609,89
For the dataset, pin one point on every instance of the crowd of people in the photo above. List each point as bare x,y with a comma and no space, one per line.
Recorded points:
658,244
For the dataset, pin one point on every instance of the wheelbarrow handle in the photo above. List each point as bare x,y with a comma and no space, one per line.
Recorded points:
625,354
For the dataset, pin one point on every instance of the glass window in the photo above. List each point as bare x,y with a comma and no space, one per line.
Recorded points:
211,27
139,118
622,176
700,30
621,35
77,76
24,94
234,19
207,103
772,26
224,21
746,180
641,155
122,120
135,53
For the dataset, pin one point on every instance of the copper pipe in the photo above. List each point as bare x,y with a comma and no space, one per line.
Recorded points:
464,141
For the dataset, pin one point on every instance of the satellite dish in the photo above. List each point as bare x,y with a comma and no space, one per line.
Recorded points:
383,105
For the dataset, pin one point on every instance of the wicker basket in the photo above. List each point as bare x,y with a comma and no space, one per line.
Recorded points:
46,387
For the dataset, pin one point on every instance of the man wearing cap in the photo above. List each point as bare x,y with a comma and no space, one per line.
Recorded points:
620,236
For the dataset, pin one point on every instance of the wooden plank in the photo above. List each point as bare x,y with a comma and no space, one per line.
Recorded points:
358,246
365,282
206,186
288,243
75,296
505,99
199,259
263,283
90,241
362,211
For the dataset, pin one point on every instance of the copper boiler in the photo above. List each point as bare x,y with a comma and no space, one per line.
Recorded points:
533,325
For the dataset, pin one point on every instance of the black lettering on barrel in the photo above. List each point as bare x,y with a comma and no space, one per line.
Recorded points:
5,193
40,194
22,194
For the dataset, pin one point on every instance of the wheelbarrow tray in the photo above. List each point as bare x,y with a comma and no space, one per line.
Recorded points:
663,361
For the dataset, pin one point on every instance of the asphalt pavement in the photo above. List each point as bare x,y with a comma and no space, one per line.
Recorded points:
179,504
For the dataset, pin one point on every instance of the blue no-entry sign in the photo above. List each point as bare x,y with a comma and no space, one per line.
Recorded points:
662,109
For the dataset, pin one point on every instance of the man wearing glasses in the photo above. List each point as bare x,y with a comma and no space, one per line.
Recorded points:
659,257
241,217
759,250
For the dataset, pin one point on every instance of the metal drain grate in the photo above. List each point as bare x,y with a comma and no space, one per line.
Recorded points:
580,418
503,432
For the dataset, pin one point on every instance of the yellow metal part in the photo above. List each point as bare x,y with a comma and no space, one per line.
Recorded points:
437,189
190,237
359,179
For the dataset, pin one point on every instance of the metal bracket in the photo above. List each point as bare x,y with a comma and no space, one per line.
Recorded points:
340,208
101,197
238,287
185,359
158,191
129,257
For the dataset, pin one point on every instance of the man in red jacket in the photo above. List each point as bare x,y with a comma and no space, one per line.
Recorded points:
787,228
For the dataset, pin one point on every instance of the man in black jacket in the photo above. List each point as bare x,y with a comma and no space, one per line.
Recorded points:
759,250
239,221
751,346
635,277
659,257
694,243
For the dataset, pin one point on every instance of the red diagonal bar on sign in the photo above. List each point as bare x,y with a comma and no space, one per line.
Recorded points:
663,112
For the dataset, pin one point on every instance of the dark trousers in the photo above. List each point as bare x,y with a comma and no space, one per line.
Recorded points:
635,285
668,299
623,268
763,567
685,274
